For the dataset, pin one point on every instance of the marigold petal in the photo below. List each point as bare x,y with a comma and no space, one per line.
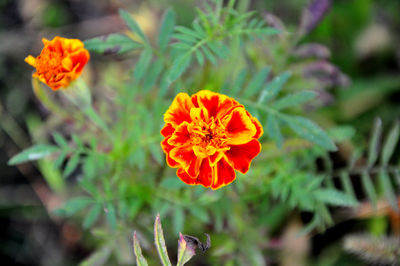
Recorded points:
217,104
239,127
199,114
181,173
179,111
223,174
167,149
205,176
183,155
257,124
67,64
31,60
240,156
181,136
167,130
79,60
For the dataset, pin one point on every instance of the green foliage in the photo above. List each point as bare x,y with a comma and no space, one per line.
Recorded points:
185,250
111,150
111,44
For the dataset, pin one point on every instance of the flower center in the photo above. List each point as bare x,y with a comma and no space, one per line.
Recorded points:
48,63
208,138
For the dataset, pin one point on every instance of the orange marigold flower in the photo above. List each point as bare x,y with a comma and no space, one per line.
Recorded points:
60,62
208,136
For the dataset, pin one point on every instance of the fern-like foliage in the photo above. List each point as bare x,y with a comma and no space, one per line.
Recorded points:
379,172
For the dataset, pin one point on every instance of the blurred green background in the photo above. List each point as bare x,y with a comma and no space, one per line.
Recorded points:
363,36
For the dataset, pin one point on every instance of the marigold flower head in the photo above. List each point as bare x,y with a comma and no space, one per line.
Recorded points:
60,62
208,136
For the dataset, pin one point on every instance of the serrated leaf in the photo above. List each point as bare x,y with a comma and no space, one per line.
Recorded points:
72,164
335,197
179,219
221,50
188,39
33,153
60,140
112,44
391,142
199,57
239,81
293,99
209,55
142,64
111,217
98,258
256,82
310,131
375,142
152,75
273,130
388,190
166,29
60,159
140,260
185,251
160,242
199,213
368,187
189,32
76,204
132,24
179,65
346,183
274,87
92,215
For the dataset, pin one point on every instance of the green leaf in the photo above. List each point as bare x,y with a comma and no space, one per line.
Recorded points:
293,99
273,130
189,32
256,82
33,153
310,131
166,29
92,215
388,189
74,205
140,260
112,44
131,23
374,143
273,88
111,217
179,219
160,242
72,164
200,213
391,142
185,251
335,197
209,55
98,258
346,183
199,57
221,50
239,81
179,65
60,140
60,159
143,63
368,187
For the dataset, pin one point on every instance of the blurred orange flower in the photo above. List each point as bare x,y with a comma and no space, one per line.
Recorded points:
208,136
60,62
